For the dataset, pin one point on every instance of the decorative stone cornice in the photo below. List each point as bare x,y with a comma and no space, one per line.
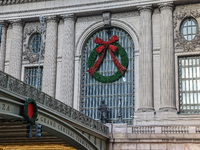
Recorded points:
17,22
167,109
145,8
145,110
8,2
164,6
53,18
68,17
4,23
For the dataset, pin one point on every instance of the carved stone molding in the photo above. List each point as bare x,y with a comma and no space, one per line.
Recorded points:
53,18
29,30
68,17
17,22
156,11
89,19
4,23
107,18
164,6
125,14
181,13
186,45
145,8
167,109
145,110
8,2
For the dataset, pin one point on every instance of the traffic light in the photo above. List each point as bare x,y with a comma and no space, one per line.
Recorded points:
29,131
38,130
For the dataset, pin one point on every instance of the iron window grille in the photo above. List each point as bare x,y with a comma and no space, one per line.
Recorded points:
34,44
93,92
189,29
189,84
31,76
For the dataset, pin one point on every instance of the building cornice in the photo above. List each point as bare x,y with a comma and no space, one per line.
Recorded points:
79,9
9,2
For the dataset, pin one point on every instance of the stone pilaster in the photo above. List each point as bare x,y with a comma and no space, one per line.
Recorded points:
15,61
67,73
49,70
3,24
167,62
145,61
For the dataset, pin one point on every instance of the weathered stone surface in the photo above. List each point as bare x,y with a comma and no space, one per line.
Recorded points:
15,61
50,60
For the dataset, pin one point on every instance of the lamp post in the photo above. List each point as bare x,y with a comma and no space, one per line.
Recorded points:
42,21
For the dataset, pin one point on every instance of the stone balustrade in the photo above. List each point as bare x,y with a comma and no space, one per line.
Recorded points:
154,137
155,129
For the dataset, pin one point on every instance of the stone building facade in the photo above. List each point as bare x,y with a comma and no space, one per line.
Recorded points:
164,97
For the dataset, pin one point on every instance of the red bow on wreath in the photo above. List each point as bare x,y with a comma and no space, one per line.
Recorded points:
112,48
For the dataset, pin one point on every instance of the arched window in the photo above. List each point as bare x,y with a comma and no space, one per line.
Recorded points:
93,91
34,44
189,29
31,73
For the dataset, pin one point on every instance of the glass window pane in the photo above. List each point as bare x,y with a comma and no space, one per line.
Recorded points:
183,73
183,85
189,23
185,24
185,31
195,85
189,30
193,30
193,23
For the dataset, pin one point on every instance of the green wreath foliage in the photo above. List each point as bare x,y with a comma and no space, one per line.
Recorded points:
35,109
117,75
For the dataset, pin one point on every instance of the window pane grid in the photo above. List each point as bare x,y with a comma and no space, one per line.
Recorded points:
189,29
31,76
35,43
189,84
93,92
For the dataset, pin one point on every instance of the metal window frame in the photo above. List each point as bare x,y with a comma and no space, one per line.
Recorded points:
38,42
182,26
179,72
36,71
83,76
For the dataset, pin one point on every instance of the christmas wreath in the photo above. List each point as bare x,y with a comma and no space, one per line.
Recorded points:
30,110
101,49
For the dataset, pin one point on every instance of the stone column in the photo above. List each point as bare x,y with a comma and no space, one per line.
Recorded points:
67,73
145,61
15,61
167,62
49,70
3,24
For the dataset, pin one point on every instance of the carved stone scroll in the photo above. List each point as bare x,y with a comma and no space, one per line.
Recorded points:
29,30
181,13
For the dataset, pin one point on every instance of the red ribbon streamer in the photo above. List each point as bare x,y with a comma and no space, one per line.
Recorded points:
112,48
